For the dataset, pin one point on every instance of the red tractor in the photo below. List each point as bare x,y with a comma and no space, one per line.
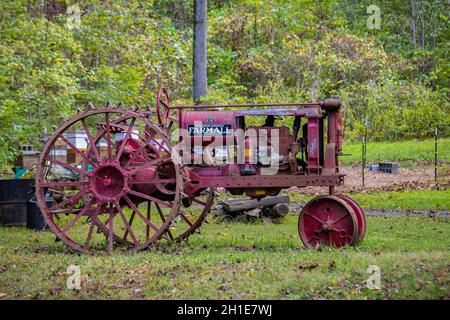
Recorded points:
111,177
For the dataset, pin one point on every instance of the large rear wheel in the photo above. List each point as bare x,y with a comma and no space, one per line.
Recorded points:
96,167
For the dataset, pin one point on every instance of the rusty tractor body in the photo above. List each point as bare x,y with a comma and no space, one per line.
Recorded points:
143,176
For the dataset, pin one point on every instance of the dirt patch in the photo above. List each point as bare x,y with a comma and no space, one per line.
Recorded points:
405,179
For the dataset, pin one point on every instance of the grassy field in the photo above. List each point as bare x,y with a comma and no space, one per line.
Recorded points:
238,261
399,200
405,152
256,260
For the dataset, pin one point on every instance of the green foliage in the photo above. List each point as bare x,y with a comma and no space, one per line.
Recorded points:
395,110
258,51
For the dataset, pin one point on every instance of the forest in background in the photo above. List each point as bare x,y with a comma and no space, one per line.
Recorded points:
395,78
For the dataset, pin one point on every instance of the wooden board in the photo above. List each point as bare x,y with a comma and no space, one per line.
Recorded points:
232,205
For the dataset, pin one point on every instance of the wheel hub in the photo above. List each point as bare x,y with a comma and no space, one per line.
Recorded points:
108,182
326,226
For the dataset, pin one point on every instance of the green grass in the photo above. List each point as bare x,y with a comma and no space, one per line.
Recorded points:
404,152
234,260
397,200
256,261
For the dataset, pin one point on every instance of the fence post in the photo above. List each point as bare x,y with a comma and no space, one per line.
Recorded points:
363,158
364,150
435,153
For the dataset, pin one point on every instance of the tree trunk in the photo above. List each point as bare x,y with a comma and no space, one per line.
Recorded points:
255,26
413,24
422,31
199,67
435,27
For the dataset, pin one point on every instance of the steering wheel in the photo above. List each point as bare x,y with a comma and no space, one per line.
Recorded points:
166,115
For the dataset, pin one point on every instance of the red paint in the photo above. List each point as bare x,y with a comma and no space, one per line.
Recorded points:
144,168
327,220
313,145
361,219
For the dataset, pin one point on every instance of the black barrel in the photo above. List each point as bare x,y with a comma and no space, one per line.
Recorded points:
35,220
14,197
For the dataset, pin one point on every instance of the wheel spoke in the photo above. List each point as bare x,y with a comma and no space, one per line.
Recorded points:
89,236
161,215
125,236
108,135
65,165
138,151
147,165
78,216
63,184
312,216
199,202
125,139
91,140
67,210
127,225
81,153
72,200
157,142
185,218
91,228
164,103
147,139
111,231
106,223
147,228
133,206
339,219
147,197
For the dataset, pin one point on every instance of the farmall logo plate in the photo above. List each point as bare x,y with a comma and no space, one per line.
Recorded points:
209,130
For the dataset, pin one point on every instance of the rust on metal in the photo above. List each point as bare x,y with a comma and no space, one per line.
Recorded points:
126,181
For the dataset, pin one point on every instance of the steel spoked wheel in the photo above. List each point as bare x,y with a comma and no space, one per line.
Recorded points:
191,214
327,221
97,167
362,224
166,115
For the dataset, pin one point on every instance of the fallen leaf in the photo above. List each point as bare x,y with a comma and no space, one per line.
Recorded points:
55,290
308,266
332,265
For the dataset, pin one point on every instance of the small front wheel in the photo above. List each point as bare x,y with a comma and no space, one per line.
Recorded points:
327,221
